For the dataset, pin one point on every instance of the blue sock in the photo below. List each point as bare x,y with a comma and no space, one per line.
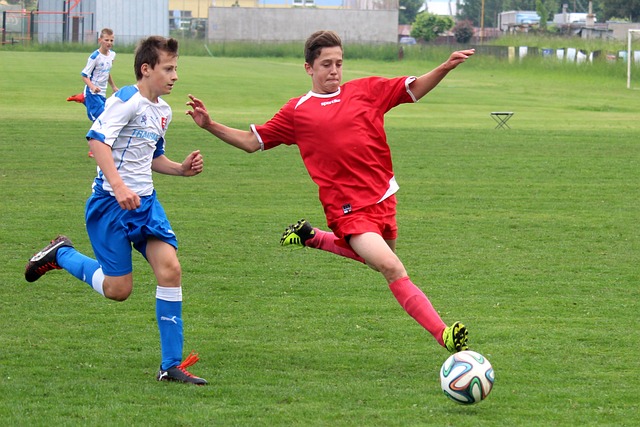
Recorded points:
80,266
169,317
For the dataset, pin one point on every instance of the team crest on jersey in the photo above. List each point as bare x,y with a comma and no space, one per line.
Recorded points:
163,122
143,119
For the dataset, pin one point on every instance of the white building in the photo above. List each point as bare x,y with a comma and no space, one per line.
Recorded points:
82,20
569,18
441,7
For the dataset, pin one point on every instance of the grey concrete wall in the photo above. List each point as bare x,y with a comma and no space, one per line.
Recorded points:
621,29
296,24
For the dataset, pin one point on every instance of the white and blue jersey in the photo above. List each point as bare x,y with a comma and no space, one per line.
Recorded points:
97,70
134,128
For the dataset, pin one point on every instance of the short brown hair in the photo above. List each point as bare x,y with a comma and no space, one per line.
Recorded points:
148,52
106,31
317,41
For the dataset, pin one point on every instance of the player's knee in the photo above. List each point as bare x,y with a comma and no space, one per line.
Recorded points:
117,290
170,273
117,294
392,269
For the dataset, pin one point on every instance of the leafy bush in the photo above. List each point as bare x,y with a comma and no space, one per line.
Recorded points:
428,26
463,31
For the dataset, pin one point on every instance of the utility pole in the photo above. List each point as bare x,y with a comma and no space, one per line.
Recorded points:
482,22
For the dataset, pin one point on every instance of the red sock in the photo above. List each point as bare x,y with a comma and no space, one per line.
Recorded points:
416,303
326,241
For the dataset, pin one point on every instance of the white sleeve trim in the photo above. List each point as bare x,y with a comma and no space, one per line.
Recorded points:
407,82
255,132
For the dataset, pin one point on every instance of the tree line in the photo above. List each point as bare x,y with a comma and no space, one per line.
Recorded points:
471,10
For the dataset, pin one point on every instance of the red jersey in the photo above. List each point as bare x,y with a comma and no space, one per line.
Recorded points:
342,140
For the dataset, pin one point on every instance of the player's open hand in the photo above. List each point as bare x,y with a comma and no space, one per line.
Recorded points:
199,112
193,164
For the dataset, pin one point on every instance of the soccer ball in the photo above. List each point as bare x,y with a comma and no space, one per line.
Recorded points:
466,377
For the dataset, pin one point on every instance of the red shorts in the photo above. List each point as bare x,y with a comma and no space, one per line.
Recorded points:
379,218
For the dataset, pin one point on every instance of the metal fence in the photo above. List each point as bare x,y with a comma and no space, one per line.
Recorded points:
19,26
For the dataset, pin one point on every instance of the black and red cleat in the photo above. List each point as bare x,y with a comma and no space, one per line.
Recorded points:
180,374
45,260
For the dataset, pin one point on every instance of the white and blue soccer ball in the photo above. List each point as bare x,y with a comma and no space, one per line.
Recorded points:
466,377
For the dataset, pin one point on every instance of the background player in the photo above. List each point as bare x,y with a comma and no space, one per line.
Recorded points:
96,74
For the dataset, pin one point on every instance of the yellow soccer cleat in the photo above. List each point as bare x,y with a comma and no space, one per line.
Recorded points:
455,337
297,234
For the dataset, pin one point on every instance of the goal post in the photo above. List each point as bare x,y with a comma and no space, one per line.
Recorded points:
630,55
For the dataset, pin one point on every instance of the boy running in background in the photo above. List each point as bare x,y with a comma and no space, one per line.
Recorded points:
123,210
96,74
339,130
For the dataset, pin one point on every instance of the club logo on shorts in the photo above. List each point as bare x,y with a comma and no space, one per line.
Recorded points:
346,208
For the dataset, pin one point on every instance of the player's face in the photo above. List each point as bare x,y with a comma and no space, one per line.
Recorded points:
326,71
161,78
106,43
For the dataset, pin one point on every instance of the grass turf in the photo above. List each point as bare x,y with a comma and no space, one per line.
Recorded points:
529,236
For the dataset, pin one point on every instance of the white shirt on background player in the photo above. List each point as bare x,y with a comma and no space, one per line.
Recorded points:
98,68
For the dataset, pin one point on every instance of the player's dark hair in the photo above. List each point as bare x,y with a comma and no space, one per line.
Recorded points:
317,41
148,52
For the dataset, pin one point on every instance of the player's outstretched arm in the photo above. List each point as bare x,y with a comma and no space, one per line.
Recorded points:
425,83
244,140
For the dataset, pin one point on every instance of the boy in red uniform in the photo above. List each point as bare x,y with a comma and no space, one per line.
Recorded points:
339,130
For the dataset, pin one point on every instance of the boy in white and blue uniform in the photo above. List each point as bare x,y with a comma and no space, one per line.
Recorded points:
123,210
97,73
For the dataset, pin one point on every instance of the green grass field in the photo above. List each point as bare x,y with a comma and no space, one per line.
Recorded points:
530,236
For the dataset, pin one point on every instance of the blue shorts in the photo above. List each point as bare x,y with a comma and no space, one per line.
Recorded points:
94,103
112,230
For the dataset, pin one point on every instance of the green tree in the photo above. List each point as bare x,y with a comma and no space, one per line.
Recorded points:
552,7
428,26
471,10
27,4
598,9
408,11
519,5
622,9
543,13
